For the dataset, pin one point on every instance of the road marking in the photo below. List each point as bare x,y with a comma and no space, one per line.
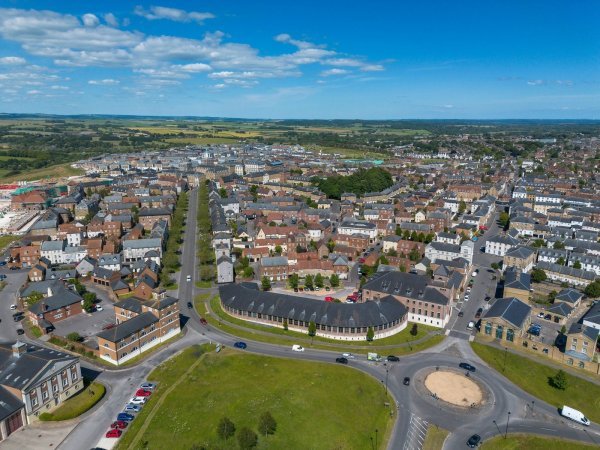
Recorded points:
417,430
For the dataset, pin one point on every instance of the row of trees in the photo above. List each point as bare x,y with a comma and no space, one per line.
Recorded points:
414,236
246,437
313,281
170,259
206,254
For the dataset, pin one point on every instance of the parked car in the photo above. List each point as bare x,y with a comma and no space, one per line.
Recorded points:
406,381
474,274
20,331
120,424
471,325
125,416
328,299
114,433
393,358
99,308
240,344
474,441
13,307
327,288
2,263
143,393
348,355
297,348
137,400
148,386
540,315
130,407
295,289
487,298
548,317
203,321
467,366
341,360
460,314
478,313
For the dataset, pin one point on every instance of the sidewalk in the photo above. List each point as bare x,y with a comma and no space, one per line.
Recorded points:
38,435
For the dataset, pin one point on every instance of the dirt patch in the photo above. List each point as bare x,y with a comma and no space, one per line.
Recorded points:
454,388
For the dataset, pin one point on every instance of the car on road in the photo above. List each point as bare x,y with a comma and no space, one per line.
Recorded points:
114,433
297,348
2,263
189,305
137,400
125,416
188,278
471,325
348,355
108,326
203,321
466,298
393,358
341,360
328,299
478,313
240,344
121,424
487,298
474,274
148,386
20,331
13,307
130,407
474,441
540,315
467,366
17,316
143,393
406,381
460,314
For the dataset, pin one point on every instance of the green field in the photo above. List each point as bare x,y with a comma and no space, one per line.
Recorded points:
315,405
61,170
7,239
533,378
530,442
435,438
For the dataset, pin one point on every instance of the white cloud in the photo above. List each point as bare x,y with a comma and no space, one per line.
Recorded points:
448,106
57,87
12,61
195,67
536,82
111,20
34,92
331,72
105,82
90,20
177,15
372,68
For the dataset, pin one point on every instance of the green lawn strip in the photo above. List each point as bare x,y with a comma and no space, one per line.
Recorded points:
203,284
532,442
434,440
7,239
533,378
281,337
312,404
75,406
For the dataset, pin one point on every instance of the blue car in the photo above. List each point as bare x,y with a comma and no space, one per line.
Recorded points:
126,417
240,344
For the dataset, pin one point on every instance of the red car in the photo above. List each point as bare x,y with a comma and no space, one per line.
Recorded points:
361,260
142,393
120,424
114,433
108,326
328,299
203,321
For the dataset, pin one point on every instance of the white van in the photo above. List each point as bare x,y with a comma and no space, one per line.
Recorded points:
471,325
297,348
574,415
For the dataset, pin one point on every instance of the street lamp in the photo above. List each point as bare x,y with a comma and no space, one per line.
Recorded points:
495,423
372,446
507,419
386,376
532,406
376,431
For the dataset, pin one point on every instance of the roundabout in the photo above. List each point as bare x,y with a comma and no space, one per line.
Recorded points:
454,388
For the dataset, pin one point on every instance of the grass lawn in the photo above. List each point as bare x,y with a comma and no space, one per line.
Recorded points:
533,378
315,405
7,239
78,404
283,337
435,438
203,284
531,442
58,171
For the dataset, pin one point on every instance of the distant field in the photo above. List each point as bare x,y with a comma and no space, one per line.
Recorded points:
5,157
201,140
62,170
350,152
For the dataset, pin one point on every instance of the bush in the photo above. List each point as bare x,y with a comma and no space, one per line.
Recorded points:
247,438
414,330
74,337
559,381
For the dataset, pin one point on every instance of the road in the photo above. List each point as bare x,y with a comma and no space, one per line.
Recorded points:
14,280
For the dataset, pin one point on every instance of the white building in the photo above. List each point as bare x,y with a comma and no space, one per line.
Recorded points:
500,244
362,227
447,252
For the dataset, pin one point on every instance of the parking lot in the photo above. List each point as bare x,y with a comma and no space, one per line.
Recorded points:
87,325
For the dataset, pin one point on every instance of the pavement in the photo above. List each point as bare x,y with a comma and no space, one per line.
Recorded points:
14,280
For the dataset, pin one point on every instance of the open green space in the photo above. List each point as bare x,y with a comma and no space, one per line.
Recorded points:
57,171
75,406
531,442
398,344
534,378
7,239
434,440
315,405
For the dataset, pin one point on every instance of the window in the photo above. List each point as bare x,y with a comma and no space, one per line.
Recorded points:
45,395
581,365
55,388
510,335
570,361
73,376
499,331
34,401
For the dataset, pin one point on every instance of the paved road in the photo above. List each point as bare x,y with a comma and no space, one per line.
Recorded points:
14,279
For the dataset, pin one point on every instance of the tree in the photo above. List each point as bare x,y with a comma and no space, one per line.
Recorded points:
462,207
334,280
552,296
495,266
308,281
248,272
559,245
247,438
559,381
593,289
560,261
330,245
254,191
370,334
88,302
226,428
538,275
383,260
563,330
74,337
312,328
392,252
414,254
576,265
319,281
504,219
266,284
223,192
538,243
266,423
278,249
414,330
293,280
402,268
285,324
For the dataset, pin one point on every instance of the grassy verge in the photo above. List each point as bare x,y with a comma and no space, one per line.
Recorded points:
282,337
32,329
530,442
57,171
241,386
75,406
203,284
435,438
533,377
7,239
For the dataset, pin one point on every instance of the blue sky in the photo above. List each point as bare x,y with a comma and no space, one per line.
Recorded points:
307,59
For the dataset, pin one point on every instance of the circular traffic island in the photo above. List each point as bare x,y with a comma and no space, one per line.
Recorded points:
454,388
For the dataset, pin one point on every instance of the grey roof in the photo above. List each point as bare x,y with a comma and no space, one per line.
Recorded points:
370,313
129,327
274,261
561,309
593,314
445,247
52,245
520,252
511,309
9,404
569,295
109,259
130,304
569,271
589,332
40,286
142,243
406,285
61,297
517,280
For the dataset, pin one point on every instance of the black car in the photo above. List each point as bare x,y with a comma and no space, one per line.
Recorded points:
20,331
341,360
467,366
478,313
487,299
189,304
406,381
240,344
460,314
393,358
474,441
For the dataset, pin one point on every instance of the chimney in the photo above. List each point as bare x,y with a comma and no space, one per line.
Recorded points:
19,348
50,293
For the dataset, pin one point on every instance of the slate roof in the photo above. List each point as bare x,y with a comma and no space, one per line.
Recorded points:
517,280
61,297
511,309
520,252
568,271
9,404
129,327
142,243
274,261
589,332
370,313
561,309
569,295
406,285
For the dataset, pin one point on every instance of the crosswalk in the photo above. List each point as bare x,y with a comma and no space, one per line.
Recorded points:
417,430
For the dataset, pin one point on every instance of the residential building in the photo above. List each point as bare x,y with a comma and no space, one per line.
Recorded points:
506,319
581,342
